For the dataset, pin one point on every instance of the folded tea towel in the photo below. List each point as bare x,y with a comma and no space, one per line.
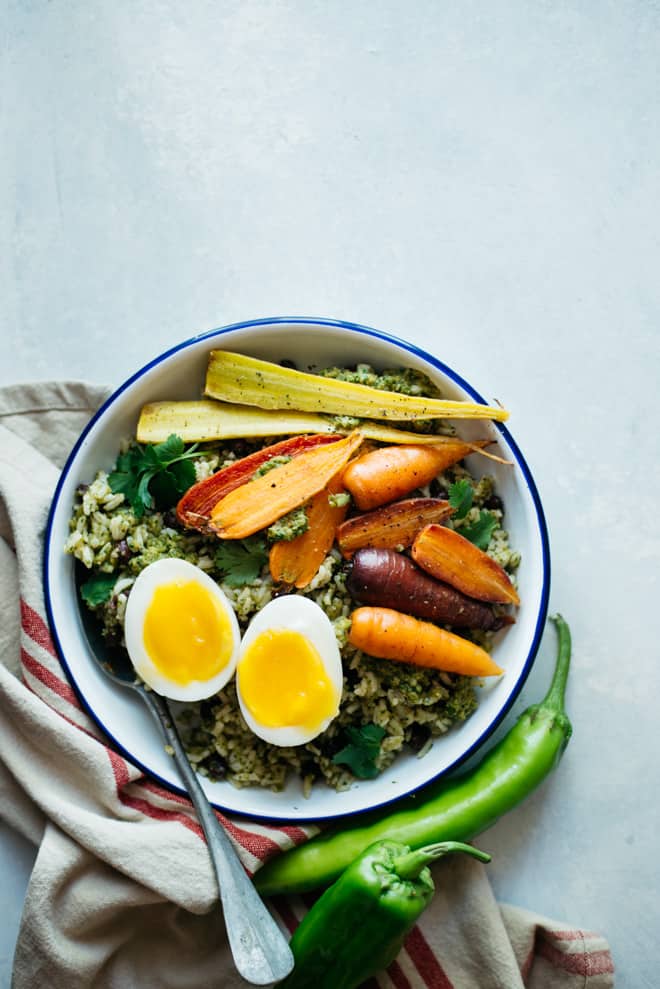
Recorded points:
122,894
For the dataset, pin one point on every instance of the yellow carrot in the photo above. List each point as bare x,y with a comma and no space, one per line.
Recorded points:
297,562
207,419
265,499
389,634
248,381
447,555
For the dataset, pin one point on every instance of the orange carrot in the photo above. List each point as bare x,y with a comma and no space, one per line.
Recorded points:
447,555
297,562
392,525
194,509
391,472
265,499
388,634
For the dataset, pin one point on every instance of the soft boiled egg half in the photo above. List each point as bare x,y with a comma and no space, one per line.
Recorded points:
289,673
181,631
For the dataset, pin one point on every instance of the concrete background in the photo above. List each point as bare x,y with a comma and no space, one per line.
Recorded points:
480,178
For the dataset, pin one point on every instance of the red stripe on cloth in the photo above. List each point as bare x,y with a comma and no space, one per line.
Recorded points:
398,976
258,845
159,814
297,835
44,675
425,961
568,935
281,905
69,721
122,777
35,627
119,768
585,963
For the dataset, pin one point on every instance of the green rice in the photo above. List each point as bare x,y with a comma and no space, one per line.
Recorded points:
412,706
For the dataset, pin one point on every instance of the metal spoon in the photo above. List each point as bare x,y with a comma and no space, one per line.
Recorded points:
260,950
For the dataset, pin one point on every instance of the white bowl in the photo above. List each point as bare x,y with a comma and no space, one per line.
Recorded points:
179,374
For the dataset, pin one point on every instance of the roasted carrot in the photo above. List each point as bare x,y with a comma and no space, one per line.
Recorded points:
447,555
391,472
265,499
388,634
194,509
297,561
391,525
388,579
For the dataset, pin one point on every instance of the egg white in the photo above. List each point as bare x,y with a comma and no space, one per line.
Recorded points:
298,614
157,574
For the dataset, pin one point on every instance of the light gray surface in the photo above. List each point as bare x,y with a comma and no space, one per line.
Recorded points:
479,178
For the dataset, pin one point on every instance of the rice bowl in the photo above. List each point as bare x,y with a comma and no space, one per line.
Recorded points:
178,375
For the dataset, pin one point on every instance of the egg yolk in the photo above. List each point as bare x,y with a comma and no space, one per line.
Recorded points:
187,634
284,683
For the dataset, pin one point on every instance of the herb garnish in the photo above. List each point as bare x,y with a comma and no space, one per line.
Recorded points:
460,497
289,526
98,589
241,560
481,530
361,753
154,475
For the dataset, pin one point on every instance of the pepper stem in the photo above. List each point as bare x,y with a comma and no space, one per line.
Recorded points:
410,865
554,699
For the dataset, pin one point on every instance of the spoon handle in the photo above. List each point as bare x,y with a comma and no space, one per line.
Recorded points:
260,950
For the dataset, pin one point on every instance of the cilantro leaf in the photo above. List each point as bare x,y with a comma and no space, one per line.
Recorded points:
241,560
184,472
481,531
157,474
362,751
169,484
164,488
98,589
168,451
460,497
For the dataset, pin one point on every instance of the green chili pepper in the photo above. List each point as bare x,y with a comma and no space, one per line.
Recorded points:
360,923
453,810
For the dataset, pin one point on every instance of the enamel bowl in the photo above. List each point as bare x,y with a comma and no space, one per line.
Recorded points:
179,374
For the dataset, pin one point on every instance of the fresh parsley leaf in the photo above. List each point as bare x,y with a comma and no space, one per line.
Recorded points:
164,488
123,482
184,473
460,497
241,560
168,451
98,589
157,474
480,532
168,485
362,751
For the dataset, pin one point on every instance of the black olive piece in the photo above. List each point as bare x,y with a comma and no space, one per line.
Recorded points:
216,767
419,736
495,503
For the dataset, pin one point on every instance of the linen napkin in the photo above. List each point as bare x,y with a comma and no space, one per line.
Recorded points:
122,894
